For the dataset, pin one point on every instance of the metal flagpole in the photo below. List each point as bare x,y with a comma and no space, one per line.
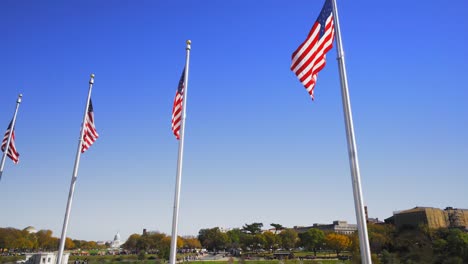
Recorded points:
13,122
175,218
74,177
352,150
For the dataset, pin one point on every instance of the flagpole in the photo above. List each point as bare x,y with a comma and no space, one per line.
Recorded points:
74,176
352,149
13,122
175,218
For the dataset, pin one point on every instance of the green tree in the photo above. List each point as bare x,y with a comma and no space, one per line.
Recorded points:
258,241
141,255
312,240
213,238
380,237
145,243
234,238
254,228
131,243
457,242
270,239
413,246
277,227
164,248
289,238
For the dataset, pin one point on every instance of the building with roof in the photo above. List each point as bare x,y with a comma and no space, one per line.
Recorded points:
115,244
340,227
431,217
44,258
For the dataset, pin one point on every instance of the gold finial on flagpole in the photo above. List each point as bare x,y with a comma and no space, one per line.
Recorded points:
91,80
189,43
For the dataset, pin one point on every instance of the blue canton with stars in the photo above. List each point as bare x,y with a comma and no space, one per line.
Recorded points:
180,88
324,14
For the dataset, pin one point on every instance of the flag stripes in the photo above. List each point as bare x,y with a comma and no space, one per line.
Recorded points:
309,58
12,152
90,133
177,107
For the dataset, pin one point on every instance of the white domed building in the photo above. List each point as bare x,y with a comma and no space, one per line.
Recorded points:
115,244
30,229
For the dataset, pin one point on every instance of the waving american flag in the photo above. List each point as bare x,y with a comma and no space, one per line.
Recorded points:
309,58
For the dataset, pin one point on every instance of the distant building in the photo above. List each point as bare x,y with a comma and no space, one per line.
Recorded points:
370,220
44,258
430,216
30,229
115,244
457,217
225,229
340,227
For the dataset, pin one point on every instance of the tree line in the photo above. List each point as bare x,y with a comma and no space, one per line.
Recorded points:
159,244
251,238
388,244
12,239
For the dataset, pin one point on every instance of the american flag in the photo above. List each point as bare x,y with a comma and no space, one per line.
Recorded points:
177,107
90,133
309,58
12,153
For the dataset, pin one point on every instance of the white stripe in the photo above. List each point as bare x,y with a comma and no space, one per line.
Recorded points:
306,44
319,53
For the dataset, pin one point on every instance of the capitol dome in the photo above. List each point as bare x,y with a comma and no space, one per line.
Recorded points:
117,237
30,229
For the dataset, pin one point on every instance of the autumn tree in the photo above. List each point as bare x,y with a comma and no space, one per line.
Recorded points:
191,242
46,241
69,244
337,242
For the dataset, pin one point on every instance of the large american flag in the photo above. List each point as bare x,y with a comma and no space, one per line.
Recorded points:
177,107
90,133
309,58
12,153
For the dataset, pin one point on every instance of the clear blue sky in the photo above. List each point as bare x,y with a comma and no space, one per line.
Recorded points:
257,147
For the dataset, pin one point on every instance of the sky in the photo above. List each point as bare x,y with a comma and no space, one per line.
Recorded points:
257,148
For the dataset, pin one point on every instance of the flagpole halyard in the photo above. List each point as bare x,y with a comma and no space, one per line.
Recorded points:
74,176
352,147
13,123
175,218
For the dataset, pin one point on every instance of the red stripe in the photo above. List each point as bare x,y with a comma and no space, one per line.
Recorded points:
312,44
317,58
12,152
90,132
176,114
